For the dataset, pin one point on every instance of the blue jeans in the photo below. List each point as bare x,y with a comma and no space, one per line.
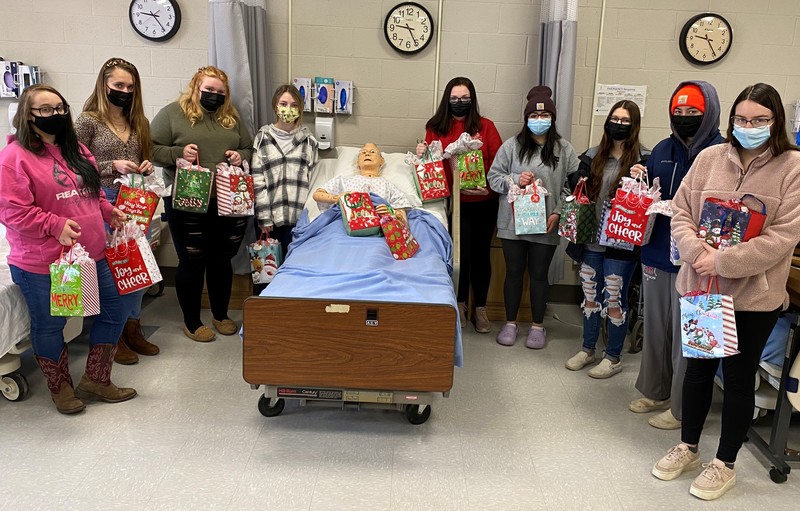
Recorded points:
47,332
614,276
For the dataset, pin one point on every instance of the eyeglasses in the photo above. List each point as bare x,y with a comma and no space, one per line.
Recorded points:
462,101
620,120
47,111
544,115
758,122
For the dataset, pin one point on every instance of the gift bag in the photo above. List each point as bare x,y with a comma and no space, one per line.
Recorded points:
73,284
708,324
235,192
402,243
191,191
359,215
578,223
603,238
265,258
131,260
138,203
528,208
674,255
628,219
470,169
430,179
727,223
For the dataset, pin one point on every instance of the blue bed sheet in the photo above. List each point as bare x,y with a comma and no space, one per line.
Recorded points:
324,262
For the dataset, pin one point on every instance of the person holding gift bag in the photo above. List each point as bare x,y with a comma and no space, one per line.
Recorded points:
50,199
458,113
203,127
539,156
284,155
694,120
756,159
114,128
606,272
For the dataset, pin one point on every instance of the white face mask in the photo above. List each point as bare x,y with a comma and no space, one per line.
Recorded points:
288,114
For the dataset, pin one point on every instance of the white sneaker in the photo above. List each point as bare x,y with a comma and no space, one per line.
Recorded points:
678,460
665,420
579,361
714,481
645,405
605,369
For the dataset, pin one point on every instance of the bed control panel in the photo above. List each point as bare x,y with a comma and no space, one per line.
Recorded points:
372,317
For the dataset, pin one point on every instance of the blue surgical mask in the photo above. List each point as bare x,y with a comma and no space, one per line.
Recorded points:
539,126
751,138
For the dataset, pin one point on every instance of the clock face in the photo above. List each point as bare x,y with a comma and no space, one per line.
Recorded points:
156,20
408,27
706,38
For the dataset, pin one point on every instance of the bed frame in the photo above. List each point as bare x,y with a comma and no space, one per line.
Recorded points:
361,353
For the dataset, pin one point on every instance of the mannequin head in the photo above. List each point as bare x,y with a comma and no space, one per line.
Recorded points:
370,160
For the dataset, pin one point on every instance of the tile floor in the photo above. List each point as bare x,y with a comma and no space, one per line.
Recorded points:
519,432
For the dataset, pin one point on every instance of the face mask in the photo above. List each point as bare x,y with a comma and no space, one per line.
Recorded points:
211,101
751,138
459,109
288,114
53,125
539,126
686,126
119,98
617,131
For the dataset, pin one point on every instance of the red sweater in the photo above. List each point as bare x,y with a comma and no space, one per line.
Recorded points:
491,144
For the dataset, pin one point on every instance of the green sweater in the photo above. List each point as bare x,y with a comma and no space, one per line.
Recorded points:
172,131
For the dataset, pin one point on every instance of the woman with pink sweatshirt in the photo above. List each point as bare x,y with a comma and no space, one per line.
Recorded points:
50,198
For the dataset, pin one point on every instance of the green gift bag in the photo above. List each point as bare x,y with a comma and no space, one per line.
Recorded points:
578,222
191,191
470,169
73,285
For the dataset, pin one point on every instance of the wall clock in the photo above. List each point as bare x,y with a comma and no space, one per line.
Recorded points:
706,39
408,27
155,20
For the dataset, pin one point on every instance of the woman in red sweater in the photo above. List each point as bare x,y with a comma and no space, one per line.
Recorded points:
458,113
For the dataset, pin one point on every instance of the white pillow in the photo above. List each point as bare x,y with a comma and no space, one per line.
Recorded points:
394,169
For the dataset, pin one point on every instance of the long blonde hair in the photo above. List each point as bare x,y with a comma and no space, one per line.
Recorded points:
226,115
97,104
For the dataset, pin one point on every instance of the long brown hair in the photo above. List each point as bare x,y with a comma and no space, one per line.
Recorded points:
631,150
97,104
67,141
291,89
226,115
442,120
766,96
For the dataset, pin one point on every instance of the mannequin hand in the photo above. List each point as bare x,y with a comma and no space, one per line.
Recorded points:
638,171
706,264
125,167
481,190
70,233
234,158
525,178
382,209
552,222
190,152
401,215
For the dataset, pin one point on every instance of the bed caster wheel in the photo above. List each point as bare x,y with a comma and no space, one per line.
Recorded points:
416,417
270,411
777,476
156,289
637,336
14,387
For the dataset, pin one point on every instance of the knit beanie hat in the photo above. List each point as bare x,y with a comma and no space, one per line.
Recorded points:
539,99
689,95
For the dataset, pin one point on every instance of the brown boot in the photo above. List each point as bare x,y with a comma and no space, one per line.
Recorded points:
95,384
124,354
60,383
134,339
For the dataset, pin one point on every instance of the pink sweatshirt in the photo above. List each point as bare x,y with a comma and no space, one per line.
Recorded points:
38,194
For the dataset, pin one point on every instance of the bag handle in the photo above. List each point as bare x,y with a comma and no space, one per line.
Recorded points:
580,189
763,206
711,281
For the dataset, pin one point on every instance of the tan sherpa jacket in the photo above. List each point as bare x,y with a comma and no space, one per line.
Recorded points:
754,273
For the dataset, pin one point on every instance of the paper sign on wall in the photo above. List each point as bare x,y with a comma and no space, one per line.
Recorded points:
608,95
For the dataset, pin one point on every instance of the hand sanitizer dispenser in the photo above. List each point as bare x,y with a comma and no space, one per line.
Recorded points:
324,129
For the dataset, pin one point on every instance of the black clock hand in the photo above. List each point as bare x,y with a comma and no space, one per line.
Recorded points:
410,31
709,41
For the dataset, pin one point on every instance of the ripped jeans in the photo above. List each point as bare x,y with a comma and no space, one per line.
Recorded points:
605,285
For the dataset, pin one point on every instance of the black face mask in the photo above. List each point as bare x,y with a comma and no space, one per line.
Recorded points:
686,126
211,101
617,131
53,125
459,109
119,98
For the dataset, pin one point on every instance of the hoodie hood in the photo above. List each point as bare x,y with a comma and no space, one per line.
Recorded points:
709,128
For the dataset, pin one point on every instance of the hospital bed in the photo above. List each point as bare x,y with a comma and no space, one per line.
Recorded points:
15,329
343,324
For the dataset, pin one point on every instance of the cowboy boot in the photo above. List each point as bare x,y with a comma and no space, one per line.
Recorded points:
134,339
124,355
95,384
60,383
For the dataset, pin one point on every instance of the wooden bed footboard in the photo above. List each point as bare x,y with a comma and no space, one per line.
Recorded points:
348,344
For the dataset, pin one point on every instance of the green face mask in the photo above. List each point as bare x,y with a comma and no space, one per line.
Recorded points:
288,114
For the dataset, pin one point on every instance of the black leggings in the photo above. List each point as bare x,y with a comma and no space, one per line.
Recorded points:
478,221
282,234
739,373
536,256
205,244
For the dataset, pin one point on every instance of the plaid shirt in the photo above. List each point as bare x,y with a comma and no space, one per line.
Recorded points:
282,180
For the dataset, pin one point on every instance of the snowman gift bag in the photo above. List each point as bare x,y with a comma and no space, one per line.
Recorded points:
265,258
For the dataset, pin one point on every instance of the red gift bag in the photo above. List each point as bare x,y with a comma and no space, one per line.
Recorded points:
431,181
402,243
132,264
628,219
235,191
359,214
138,203
727,223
